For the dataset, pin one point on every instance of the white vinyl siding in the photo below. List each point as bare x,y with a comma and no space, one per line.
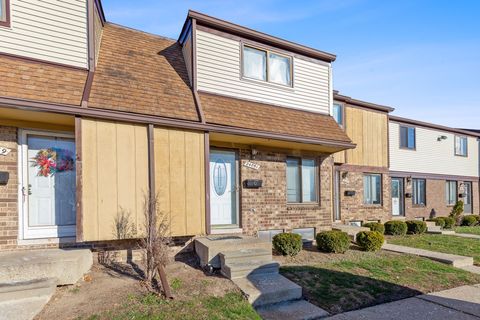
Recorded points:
219,71
432,154
51,30
187,55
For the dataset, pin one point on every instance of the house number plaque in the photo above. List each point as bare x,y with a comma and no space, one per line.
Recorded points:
251,165
4,151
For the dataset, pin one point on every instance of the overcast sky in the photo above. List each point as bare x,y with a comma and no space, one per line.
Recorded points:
421,57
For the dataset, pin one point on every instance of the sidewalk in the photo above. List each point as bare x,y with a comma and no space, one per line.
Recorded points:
462,303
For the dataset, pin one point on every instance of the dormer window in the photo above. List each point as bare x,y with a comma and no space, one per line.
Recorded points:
265,65
5,13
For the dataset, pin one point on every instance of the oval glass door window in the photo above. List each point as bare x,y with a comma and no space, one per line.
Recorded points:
220,177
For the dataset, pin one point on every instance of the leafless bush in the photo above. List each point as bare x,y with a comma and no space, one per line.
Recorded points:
156,241
123,227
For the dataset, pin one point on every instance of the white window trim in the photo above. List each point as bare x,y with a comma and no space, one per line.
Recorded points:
466,146
267,51
381,190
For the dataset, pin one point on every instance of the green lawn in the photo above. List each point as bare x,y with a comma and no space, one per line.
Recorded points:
441,243
150,307
470,230
365,279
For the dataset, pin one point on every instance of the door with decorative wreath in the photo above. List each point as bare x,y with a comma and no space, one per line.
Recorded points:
47,184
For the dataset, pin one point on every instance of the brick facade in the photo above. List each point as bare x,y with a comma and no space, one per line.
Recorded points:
436,200
8,192
352,208
267,208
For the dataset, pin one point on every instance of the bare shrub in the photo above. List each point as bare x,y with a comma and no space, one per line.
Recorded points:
156,242
123,227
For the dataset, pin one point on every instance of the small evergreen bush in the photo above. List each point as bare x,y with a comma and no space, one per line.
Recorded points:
449,222
439,221
375,226
416,227
370,240
457,212
287,244
396,228
469,221
333,241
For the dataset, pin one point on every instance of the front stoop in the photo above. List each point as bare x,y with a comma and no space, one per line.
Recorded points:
434,229
352,231
29,278
24,300
247,261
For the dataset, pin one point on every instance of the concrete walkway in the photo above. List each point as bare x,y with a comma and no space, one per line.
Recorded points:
462,303
467,235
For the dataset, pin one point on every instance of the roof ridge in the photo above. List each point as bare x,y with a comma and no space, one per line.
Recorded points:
140,31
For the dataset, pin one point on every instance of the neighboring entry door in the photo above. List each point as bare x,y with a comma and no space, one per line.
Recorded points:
337,212
467,200
397,197
223,189
48,185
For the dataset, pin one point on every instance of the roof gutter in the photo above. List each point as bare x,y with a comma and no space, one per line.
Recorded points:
360,103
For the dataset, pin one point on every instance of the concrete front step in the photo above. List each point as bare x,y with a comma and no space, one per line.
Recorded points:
24,300
434,228
235,270
245,255
451,259
209,248
291,310
431,224
66,266
262,290
352,231
444,232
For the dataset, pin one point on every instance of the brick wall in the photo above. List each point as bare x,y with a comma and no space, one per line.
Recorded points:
8,192
267,209
436,201
353,208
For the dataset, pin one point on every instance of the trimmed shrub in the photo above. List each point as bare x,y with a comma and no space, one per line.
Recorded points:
439,221
469,221
370,240
449,222
375,226
287,244
396,228
457,212
333,241
416,227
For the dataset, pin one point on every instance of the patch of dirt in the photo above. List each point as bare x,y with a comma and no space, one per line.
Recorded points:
107,286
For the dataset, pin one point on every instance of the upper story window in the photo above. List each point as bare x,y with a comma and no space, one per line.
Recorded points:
338,114
268,66
372,189
451,192
301,180
461,146
407,138
419,192
5,13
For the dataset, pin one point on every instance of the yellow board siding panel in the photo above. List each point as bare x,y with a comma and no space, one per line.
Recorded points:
115,176
179,179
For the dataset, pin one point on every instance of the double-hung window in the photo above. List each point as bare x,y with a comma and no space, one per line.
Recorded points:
338,113
5,13
372,189
268,66
302,179
461,146
419,192
451,192
407,138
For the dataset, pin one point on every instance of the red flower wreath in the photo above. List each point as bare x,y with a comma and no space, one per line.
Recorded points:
53,160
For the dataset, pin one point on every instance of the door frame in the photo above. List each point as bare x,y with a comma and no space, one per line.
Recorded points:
470,195
402,196
26,233
238,225
337,201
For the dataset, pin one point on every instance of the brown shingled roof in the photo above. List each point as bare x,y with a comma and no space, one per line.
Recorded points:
35,80
238,113
141,73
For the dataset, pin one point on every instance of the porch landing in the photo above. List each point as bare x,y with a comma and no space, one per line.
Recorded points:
28,278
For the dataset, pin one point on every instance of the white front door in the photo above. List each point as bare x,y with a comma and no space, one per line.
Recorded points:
397,197
223,188
48,188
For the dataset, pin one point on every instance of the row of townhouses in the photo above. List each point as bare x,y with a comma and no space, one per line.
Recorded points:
235,130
